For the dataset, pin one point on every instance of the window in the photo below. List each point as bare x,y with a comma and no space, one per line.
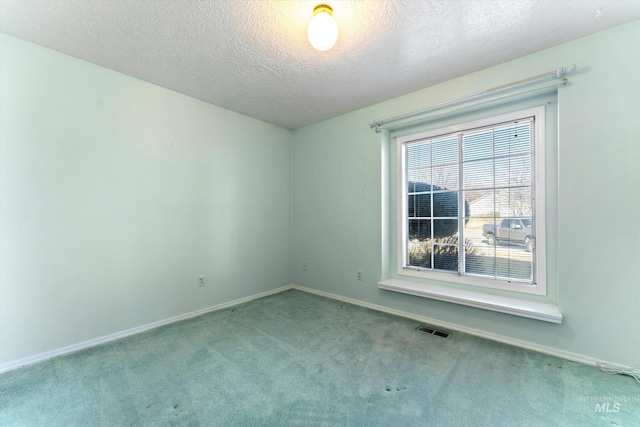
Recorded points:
471,203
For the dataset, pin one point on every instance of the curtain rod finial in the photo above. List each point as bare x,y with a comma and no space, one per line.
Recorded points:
560,72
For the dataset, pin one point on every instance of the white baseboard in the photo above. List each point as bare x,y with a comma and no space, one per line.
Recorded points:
8,366
471,331
447,325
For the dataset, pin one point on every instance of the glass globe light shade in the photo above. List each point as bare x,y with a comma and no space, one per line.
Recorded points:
322,31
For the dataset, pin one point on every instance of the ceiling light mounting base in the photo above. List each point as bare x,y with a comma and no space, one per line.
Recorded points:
323,7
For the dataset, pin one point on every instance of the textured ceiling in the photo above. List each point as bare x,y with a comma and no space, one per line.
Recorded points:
252,56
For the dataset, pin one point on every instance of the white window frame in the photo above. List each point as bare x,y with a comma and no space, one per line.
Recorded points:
538,159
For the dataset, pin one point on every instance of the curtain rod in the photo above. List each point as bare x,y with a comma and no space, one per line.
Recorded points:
558,75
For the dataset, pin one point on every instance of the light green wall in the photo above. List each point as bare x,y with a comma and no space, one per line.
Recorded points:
117,194
338,217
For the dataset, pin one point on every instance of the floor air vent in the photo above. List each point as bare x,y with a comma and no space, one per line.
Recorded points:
430,331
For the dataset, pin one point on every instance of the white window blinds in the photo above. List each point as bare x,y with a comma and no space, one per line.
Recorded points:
470,205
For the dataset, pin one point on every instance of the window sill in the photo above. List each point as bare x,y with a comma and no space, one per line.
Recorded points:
518,307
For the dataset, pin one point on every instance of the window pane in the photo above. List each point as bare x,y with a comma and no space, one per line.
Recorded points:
521,203
478,174
480,261
473,231
480,203
419,230
479,254
446,228
419,254
418,156
445,257
513,202
445,151
419,205
445,204
478,145
513,171
423,205
513,262
445,177
513,139
418,176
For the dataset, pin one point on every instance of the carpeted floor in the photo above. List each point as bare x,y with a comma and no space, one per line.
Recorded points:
299,359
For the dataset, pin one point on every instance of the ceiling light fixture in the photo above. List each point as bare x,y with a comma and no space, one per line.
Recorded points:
323,28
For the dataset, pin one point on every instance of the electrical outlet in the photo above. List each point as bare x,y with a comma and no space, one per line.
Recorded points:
200,281
359,276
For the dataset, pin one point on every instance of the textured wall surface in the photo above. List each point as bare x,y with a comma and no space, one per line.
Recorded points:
253,57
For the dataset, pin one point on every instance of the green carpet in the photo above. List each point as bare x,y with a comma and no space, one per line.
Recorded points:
299,359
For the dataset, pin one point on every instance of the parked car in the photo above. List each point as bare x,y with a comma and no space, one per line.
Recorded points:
512,230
